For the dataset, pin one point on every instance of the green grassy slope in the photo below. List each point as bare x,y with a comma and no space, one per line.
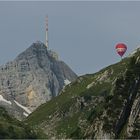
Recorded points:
10,128
93,104
76,89
67,110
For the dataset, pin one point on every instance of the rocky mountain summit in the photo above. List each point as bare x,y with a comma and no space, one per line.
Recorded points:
103,105
34,77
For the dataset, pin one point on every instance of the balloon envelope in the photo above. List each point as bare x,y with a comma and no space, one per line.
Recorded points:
121,49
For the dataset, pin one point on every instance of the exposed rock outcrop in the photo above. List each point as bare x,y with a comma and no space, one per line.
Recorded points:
33,78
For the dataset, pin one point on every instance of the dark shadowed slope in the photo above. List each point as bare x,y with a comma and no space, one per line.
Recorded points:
10,128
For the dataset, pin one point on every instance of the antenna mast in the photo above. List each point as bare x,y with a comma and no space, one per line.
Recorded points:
47,31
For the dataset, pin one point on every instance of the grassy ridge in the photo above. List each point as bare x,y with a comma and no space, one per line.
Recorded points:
10,128
65,104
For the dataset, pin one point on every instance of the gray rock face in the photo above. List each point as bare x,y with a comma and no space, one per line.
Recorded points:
33,78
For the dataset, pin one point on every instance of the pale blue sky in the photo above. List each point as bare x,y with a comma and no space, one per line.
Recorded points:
83,33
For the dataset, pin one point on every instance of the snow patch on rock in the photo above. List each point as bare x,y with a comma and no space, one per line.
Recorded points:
23,107
4,100
25,114
66,82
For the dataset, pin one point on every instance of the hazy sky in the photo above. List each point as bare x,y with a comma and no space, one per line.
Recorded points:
83,33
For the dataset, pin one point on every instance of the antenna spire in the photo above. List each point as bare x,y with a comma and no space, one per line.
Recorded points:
47,31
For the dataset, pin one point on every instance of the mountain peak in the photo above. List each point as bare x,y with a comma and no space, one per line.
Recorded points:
34,77
34,49
38,49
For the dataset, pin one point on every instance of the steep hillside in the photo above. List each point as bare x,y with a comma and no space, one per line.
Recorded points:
101,105
13,129
33,78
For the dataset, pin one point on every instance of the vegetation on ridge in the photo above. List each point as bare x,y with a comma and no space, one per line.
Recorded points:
10,128
100,105
91,99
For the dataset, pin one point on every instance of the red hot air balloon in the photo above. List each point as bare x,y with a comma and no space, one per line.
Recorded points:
121,49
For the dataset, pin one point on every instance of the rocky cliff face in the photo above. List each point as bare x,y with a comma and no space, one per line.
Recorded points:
33,78
104,105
